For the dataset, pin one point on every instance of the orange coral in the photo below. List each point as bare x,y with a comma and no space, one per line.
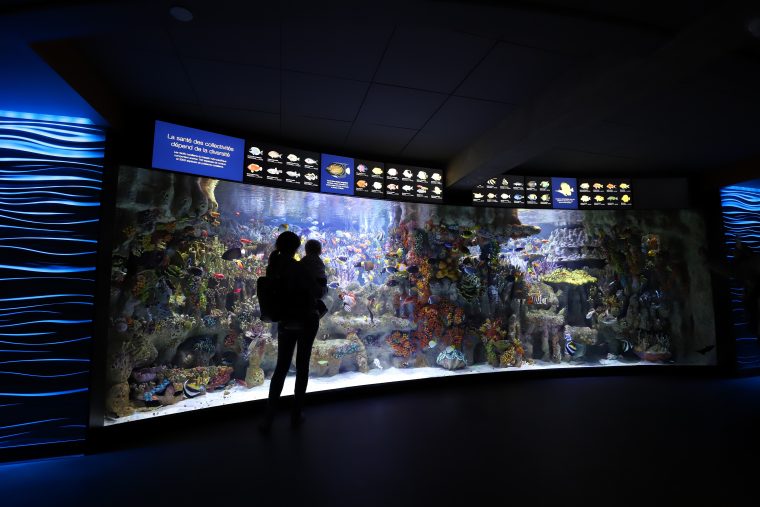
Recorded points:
400,344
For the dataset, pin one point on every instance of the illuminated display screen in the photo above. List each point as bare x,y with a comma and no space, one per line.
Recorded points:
337,175
416,290
369,179
194,151
604,193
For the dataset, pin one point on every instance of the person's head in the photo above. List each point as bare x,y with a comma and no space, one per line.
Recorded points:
287,243
313,247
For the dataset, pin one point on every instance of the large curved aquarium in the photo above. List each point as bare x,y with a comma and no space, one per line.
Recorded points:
416,291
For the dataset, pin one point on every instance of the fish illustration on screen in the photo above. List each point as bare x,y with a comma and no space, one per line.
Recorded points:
310,161
377,171
274,171
254,150
491,196
311,176
407,188
377,185
437,190
422,175
274,154
545,197
491,182
585,186
392,186
532,197
585,198
422,189
293,158
625,198
293,174
505,196
477,195
407,173
361,168
436,176
624,186
392,171
565,189
545,184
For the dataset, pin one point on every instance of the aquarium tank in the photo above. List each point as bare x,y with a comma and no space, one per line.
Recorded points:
415,290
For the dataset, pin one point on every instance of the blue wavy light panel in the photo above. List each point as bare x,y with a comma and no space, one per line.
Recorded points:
741,221
51,172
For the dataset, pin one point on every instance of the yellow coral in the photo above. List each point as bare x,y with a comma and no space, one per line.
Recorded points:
574,277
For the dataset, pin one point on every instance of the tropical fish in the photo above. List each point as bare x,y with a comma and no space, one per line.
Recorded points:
611,186
274,154
392,171
407,188
612,198
254,150
532,184
436,176
585,186
254,168
245,241
392,186
565,189
274,171
625,198
469,270
434,299
517,184
378,171
361,183
232,254
467,233
337,169
391,269
585,198
293,174
361,168
311,176
545,184
421,189
624,186
193,390
598,198
545,197
518,197
448,245
491,182
214,214
283,227
377,185
333,285
377,364
505,196
239,264
532,197
590,313
475,195
504,182
219,276
293,158
422,175
598,186
407,173
491,196
310,161
437,190
342,258
367,265
432,344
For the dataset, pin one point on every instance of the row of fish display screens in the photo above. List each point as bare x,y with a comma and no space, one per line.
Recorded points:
193,151
512,191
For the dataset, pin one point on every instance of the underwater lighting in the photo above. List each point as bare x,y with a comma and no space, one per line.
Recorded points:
45,117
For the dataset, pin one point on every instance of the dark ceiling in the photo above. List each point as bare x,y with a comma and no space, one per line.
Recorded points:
556,86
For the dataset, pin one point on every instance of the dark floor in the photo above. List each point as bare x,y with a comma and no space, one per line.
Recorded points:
601,440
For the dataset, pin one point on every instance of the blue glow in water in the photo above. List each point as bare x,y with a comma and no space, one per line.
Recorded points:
45,117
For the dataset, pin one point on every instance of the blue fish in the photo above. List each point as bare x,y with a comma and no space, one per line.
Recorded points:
391,269
469,270
333,285
448,245
434,299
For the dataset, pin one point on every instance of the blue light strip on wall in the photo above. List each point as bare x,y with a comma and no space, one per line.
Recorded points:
741,221
51,170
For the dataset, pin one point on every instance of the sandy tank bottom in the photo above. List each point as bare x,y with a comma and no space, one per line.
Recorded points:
239,394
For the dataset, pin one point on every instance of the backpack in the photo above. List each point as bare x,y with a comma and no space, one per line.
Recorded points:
270,298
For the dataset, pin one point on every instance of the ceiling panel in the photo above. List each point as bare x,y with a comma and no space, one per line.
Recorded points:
223,84
514,74
315,133
399,107
430,59
568,162
256,44
455,125
254,122
132,73
378,139
349,50
324,97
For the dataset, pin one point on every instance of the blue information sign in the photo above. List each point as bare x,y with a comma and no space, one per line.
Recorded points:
565,193
198,152
337,175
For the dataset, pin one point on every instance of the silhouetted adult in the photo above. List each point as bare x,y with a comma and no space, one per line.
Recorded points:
298,326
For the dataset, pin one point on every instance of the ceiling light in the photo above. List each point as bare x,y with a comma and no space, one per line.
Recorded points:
181,13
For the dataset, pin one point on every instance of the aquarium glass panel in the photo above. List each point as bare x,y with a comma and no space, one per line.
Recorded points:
415,290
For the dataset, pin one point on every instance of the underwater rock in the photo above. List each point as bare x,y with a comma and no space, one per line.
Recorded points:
254,375
330,357
195,351
585,335
541,329
451,359
117,400
143,375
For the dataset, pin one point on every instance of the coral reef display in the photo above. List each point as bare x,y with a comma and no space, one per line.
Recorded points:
412,287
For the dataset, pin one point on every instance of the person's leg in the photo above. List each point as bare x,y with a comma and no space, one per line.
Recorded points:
286,343
303,357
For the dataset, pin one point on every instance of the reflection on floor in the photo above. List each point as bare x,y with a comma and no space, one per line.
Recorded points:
659,438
